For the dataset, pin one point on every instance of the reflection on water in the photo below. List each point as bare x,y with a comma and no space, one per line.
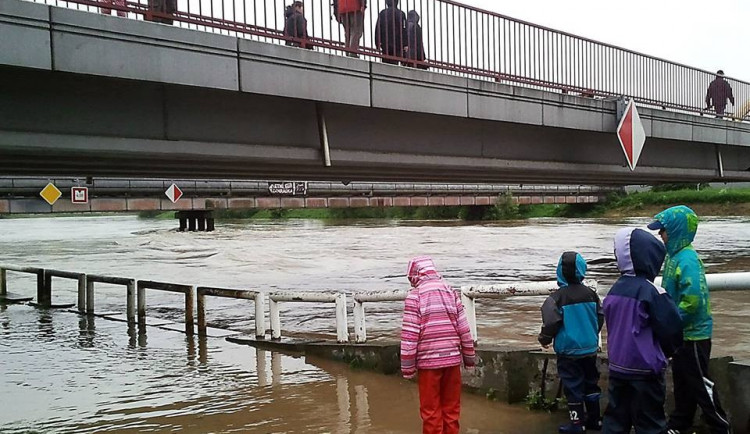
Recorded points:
98,375
64,373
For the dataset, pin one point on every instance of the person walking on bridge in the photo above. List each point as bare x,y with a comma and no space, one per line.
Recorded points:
435,339
414,42
573,318
685,281
351,15
719,91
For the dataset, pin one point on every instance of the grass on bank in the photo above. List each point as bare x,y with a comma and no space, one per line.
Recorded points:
505,209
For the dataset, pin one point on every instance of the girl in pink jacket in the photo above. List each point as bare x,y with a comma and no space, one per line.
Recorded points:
435,339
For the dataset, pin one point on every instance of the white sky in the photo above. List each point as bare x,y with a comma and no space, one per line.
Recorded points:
704,34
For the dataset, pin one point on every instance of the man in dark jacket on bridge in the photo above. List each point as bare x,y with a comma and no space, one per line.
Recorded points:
643,330
296,25
718,92
389,31
573,317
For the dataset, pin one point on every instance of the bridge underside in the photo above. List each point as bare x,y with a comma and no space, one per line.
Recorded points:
59,124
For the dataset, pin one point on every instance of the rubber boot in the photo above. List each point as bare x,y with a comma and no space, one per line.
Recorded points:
593,412
576,425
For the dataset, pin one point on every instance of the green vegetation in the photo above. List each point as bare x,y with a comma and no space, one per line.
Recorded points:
684,196
535,401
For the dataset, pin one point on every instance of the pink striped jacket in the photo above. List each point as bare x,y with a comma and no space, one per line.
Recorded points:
435,333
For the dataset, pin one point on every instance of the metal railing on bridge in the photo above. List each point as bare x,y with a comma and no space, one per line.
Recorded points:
457,39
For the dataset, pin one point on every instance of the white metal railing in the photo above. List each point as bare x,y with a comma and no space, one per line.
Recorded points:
724,281
257,297
339,298
469,295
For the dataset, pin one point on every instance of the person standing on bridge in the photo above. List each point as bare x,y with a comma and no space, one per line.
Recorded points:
573,318
685,281
389,31
435,339
295,26
643,330
719,91
414,42
351,15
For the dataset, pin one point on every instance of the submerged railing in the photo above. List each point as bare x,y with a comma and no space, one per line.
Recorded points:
455,39
340,300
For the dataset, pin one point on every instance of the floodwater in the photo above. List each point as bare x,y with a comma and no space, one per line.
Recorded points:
62,373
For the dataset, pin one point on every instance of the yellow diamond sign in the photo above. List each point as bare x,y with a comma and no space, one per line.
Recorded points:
50,193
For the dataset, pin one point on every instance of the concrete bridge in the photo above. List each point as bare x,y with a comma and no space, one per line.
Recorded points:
21,195
92,95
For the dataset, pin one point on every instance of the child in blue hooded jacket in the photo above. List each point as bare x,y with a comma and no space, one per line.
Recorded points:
573,317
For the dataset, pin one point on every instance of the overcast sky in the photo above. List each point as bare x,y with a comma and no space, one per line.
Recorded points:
709,35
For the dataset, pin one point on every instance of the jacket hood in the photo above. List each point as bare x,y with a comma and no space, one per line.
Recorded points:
412,17
289,11
571,269
638,253
681,224
421,268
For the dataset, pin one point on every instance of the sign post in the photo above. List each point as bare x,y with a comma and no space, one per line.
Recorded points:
631,134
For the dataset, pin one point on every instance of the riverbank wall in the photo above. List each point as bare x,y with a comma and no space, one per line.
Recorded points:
513,375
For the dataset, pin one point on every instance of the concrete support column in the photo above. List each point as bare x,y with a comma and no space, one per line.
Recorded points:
183,222
360,328
260,316
275,319
201,223
342,324
210,226
82,294
191,223
471,314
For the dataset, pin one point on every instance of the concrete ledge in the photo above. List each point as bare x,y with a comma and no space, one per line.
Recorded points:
97,44
501,102
24,35
415,90
573,112
738,402
278,70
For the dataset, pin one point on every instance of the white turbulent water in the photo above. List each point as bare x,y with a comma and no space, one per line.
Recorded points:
55,357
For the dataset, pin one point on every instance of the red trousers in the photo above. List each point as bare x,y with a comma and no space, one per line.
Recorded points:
440,400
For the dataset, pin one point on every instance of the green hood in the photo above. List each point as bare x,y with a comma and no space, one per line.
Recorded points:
681,224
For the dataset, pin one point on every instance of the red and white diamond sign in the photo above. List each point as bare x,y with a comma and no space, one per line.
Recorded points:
173,193
631,134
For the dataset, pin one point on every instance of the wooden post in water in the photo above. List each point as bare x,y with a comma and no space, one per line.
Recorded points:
90,298
189,308
131,301
3,282
43,291
201,314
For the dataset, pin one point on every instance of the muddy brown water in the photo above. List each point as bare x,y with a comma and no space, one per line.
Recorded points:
62,373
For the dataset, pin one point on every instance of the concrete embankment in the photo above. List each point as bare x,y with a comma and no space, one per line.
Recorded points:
512,374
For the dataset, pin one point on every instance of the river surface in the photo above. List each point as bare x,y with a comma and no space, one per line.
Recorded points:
62,373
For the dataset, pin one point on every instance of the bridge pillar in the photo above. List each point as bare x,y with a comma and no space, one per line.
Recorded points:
196,220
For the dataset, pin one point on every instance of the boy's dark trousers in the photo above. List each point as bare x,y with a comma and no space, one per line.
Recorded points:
580,379
635,403
693,387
